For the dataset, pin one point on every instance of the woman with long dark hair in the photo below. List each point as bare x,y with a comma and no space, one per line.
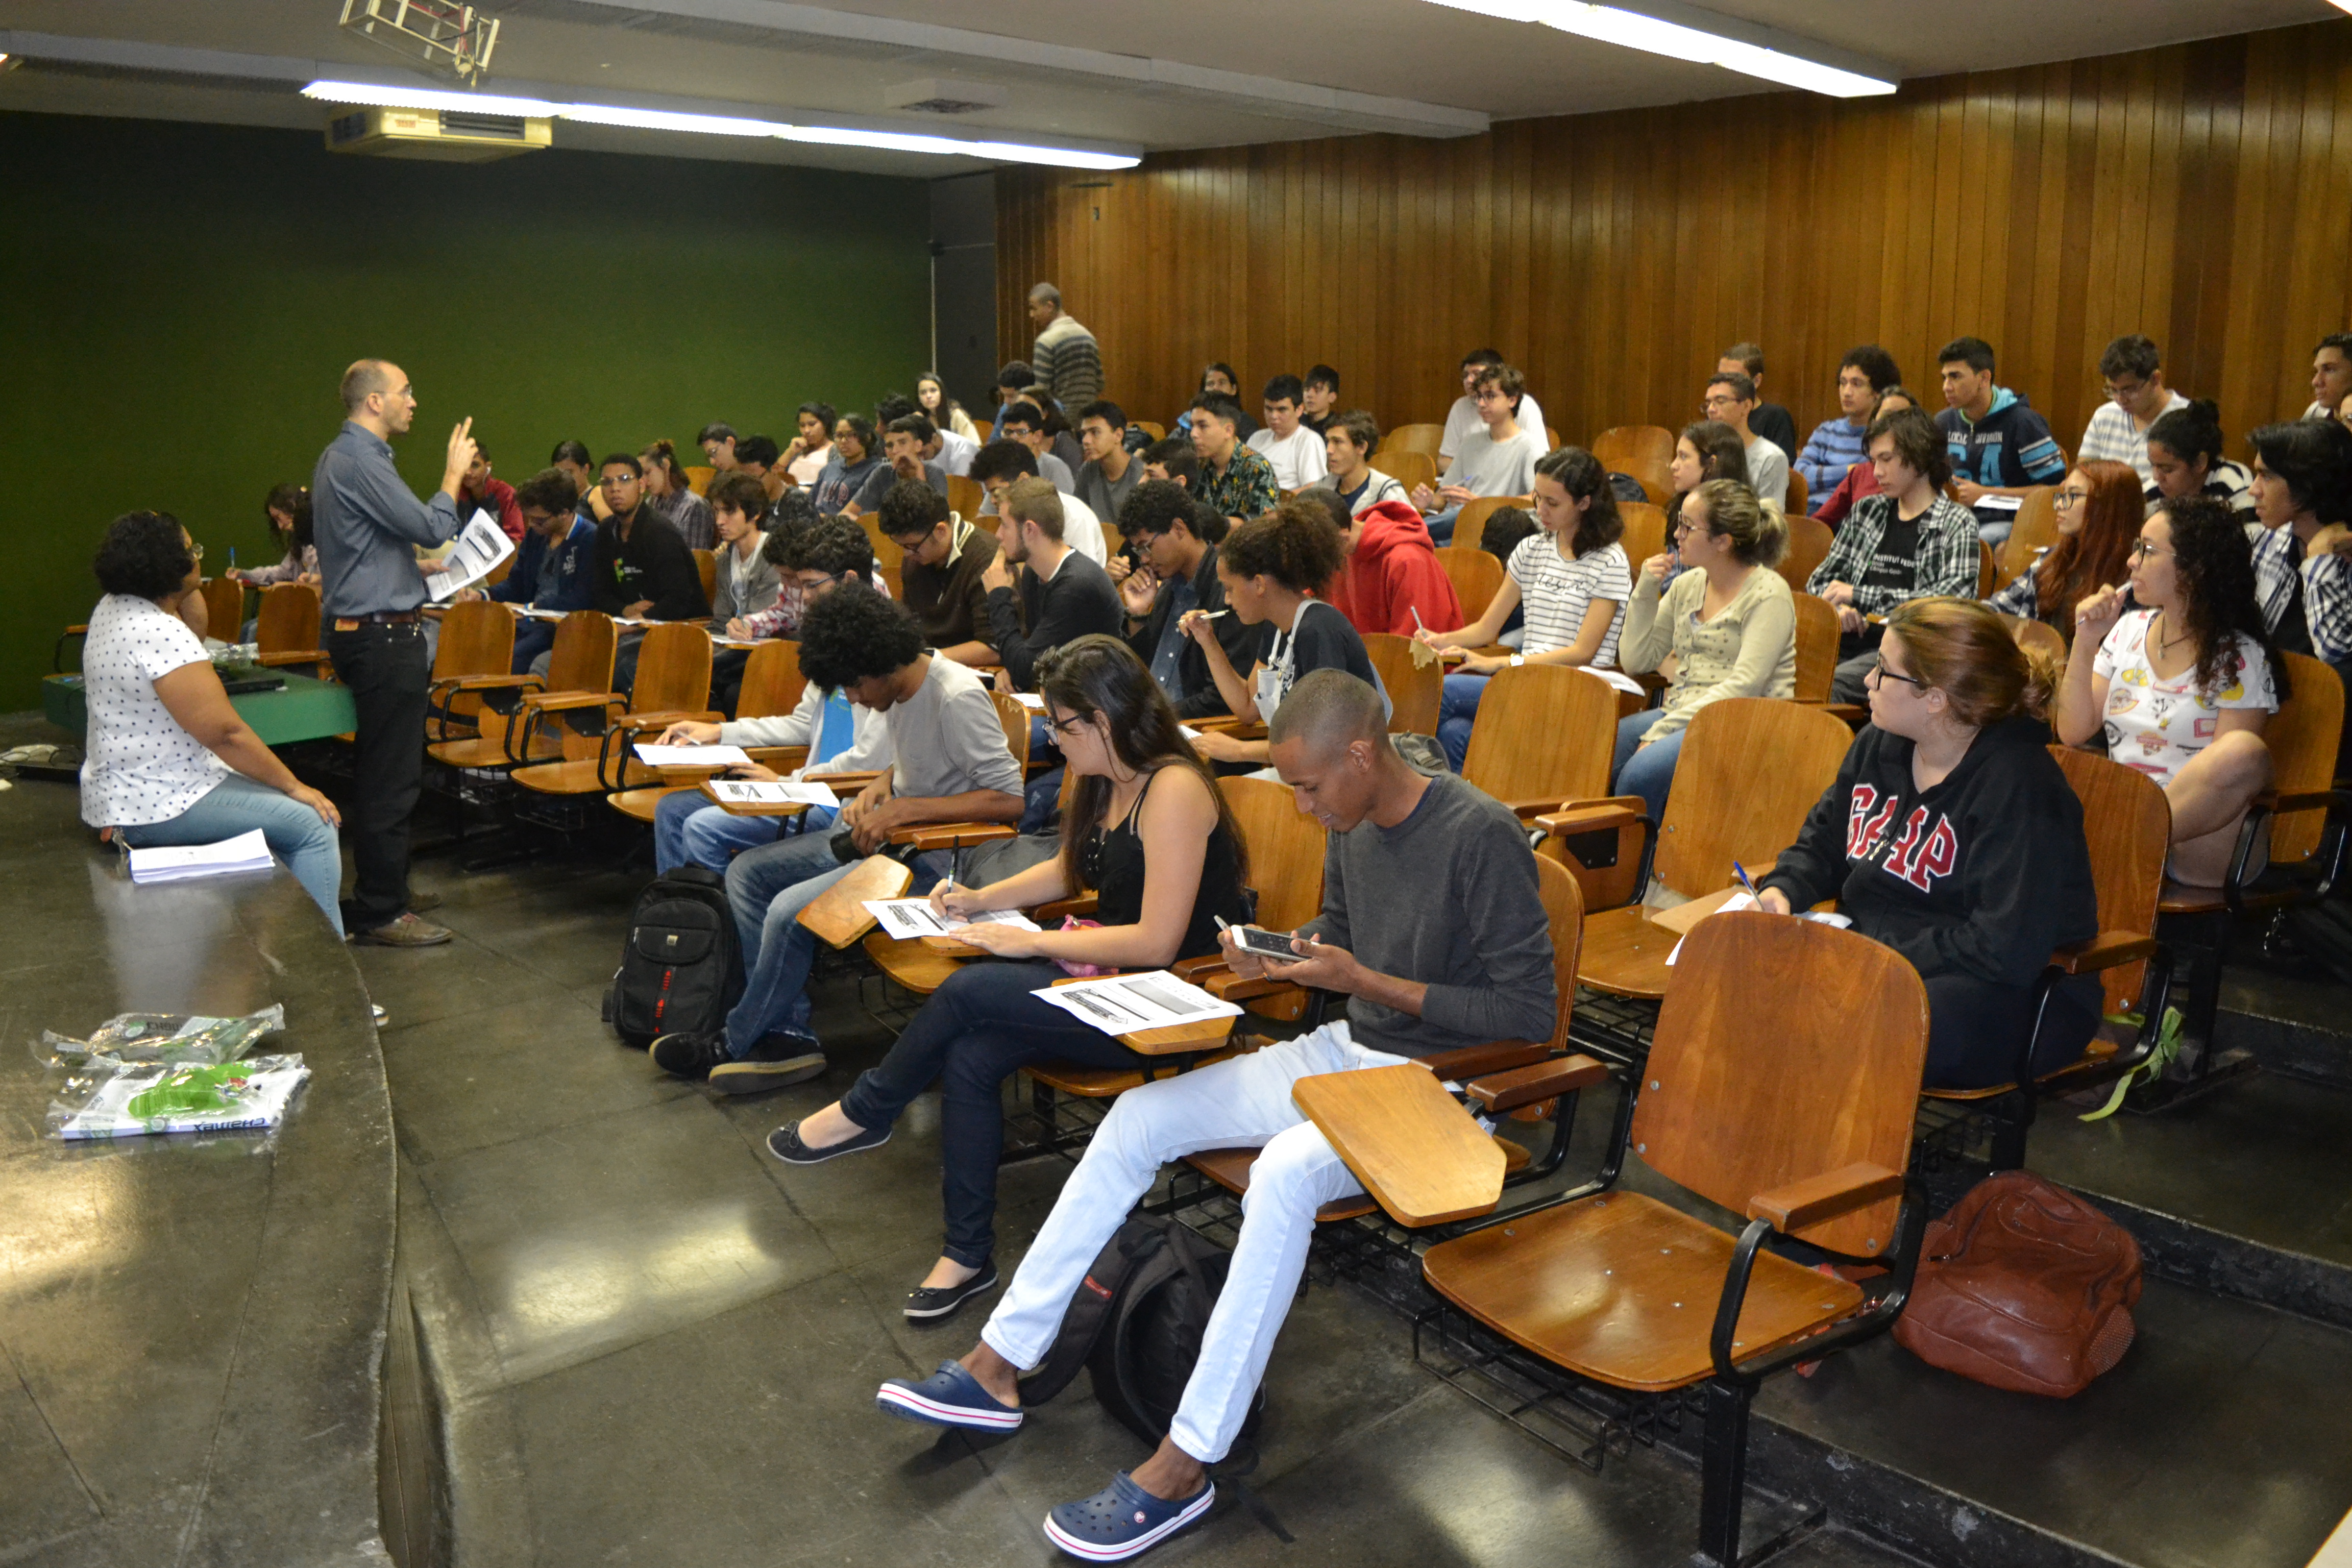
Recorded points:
2184,679
2184,454
1147,830
931,394
812,445
2099,510
671,494
853,459
1573,578
288,507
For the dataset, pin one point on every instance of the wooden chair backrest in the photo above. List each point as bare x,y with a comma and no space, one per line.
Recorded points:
1015,718
1750,769
1413,690
1631,448
1817,646
698,480
224,609
1422,439
772,682
1470,523
476,638
1645,530
2302,736
1408,468
1477,576
1152,428
500,573
581,659
1809,546
1543,732
2037,635
2036,526
706,566
1114,541
986,429
673,669
1798,497
1986,569
1563,902
289,619
2128,822
1839,1086
1286,850
887,556
965,496
1551,439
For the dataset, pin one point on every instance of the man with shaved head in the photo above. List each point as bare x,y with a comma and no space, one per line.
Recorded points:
368,527
1433,930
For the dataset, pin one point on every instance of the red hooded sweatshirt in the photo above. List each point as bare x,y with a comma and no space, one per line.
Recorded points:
1392,571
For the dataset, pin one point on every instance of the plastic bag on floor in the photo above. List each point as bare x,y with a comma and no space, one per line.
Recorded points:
109,1099
171,1037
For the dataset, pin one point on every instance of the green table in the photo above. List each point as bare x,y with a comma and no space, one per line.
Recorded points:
305,711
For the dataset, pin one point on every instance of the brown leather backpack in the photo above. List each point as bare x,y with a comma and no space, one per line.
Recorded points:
2024,1287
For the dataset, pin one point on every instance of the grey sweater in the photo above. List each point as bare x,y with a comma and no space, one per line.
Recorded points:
1447,897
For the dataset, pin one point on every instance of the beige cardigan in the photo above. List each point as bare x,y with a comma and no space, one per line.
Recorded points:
1748,649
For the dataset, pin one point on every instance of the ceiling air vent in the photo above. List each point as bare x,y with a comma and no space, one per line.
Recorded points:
932,96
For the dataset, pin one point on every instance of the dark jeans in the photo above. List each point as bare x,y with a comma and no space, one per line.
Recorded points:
388,673
972,1035
1975,1028
531,639
727,677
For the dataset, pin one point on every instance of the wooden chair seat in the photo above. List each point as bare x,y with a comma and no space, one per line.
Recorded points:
1230,1169
2096,1056
1625,954
1622,1289
1108,1083
484,752
909,962
575,777
641,804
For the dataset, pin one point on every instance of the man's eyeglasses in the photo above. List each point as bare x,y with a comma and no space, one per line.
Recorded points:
2120,394
1878,667
196,551
615,482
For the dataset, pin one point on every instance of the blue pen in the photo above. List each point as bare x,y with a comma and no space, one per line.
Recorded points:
1741,871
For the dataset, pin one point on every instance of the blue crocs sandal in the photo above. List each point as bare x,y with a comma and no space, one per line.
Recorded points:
949,1398
1122,1520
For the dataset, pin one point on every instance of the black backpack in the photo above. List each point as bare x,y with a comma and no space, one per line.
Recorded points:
680,968
1135,1323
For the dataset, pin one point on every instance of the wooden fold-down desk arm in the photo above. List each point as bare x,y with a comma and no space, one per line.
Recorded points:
664,720
291,656
952,835
562,701
1082,908
1591,816
1502,1092
2104,951
2305,800
782,758
1815,1200
1533,810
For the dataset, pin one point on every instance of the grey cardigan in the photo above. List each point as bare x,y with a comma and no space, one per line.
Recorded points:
744,588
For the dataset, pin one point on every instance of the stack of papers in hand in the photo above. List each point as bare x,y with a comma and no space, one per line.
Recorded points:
740,792
477,550
654,756
178,862
1130,1003
906,919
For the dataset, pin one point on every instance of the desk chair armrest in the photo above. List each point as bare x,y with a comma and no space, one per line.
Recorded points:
1227,986
1813,1200
77,631
1082,908
489,683
1852,712
1228,724
1528,811
564,701
291,656
1197,971
1568,820
954,835
1502,1092
1478,1061
2106,951
664,720
2305,800
784,759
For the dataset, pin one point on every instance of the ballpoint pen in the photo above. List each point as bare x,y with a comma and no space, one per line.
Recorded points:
1741,872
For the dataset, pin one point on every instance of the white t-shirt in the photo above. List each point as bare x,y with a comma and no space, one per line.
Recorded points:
141,767
1463,419
1082,530
1554,594
1768,471
1486,467
1299,460
2156,726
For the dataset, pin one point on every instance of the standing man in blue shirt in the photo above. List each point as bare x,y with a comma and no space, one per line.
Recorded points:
368,527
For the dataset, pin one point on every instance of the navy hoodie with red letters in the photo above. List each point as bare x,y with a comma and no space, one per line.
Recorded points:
1980,876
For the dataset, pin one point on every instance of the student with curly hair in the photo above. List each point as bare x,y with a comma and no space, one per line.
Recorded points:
2098,510
1271,568
2183,681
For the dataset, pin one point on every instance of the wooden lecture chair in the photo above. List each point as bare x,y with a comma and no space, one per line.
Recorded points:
223,609
1408,468
706,566
2036,527
1414,689
1157,431
578,665
2037,637
1809,546
1798,497
1422,439
1506,1077
1817,646
285,631
965,497
771,689
1476,575
1646,452
1545,735
1985,569
673,682
698,480
1646,531
1808,1140
473,654
1470,523
986,429
1551,439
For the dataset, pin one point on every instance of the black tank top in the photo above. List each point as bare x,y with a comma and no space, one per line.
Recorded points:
1114,859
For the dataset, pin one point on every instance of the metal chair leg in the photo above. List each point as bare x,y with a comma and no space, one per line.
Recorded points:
1722,1474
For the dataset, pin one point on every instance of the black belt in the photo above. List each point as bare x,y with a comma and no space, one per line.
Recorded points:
379,618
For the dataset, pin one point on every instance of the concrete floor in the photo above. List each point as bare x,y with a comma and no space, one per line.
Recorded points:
658,1346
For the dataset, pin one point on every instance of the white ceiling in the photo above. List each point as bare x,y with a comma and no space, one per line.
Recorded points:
1147,77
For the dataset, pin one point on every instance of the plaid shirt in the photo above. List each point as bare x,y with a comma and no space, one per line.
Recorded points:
782,618
2326,581
1946,567
1245,489
2022,598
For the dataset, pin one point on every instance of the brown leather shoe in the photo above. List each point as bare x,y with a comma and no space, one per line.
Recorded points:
424,903
406,931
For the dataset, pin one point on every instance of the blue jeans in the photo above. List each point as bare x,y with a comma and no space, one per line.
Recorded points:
690,831
767,888
1648,772
1441,526
1455,711
295,834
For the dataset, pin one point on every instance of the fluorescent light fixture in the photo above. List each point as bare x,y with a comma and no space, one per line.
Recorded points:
714,125
369,92
1683,41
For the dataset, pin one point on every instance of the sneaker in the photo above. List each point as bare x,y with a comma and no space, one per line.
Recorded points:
1122,1520
949,1398
776,1061
407,931
690,1054
785,1145
929,1303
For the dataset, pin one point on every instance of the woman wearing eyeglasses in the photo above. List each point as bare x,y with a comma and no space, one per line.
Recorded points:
2099,511
2184,680
1952,837
1147,830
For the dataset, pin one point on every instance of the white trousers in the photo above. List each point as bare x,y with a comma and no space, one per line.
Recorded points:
1242,1103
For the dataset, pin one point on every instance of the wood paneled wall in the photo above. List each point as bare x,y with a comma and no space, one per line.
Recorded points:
2201,193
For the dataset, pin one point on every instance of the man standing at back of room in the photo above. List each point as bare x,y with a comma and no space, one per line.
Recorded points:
2000,446
2131,373
1769,420
368,527
1068,361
